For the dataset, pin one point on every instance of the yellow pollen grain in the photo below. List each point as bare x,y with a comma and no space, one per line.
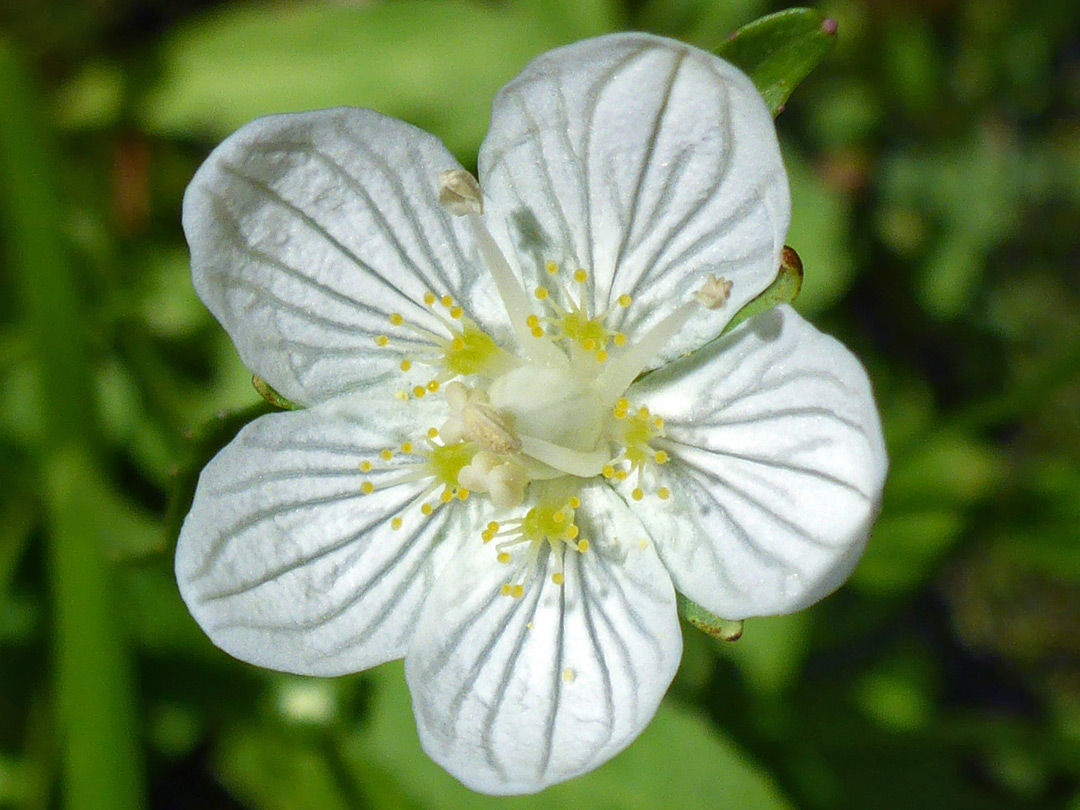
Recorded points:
619,339
552,268
406,365
406,447
558,578
432,433
625,300
541,293
574,502
583,545
517,591
568,675
456,312
381,341
601,356
446,496
429,299
557,517
505,589
643,413
486,536
658,422
493,526
433,386
365,466
536,332
447,301
457,344
367,488
663,493
419,391
463,494
637,494
532,322
580,276
426,509
396,319
395,524
572,532
660,457
503,557
608,471
588,344
621,475
386,455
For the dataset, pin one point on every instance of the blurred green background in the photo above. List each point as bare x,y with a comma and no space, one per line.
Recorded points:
935,167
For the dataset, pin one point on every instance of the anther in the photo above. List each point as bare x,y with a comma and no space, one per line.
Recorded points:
459,193
714,292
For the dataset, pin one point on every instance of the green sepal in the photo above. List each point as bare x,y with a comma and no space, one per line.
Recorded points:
784,289
779,51
720,629
273,397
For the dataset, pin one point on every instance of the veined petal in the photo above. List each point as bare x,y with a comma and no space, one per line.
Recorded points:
308,230
776,467
286,563
646,162
514,694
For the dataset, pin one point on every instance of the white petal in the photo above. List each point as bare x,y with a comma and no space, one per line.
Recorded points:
645,161
777,464
285,564
511,695
308,230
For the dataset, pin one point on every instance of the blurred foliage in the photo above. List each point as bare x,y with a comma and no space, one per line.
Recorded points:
935,170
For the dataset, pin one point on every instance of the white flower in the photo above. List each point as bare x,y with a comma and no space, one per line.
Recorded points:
483,481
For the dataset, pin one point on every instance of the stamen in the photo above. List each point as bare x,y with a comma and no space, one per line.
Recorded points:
540,352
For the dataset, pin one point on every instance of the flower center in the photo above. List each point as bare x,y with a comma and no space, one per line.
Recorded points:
550,420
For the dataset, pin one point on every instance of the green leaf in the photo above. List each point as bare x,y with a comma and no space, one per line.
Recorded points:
434,63
93,679
678,761
780,50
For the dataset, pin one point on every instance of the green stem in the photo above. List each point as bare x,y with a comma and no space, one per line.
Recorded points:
95,708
